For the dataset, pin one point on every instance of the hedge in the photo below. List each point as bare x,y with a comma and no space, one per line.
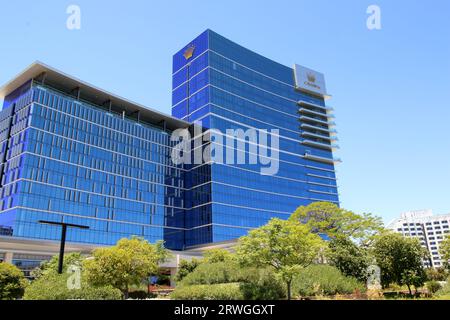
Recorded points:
253,283
444,291
262,284
215,273
222,291
54,287
325,280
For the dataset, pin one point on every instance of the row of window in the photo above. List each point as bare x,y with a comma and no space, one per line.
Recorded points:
256,79
93,114
73,161
427,223
436,227
155,152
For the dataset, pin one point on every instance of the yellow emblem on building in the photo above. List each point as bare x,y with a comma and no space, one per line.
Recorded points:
189,52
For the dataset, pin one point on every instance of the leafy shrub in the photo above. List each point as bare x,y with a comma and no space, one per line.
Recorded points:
223,291
12,282
49,285
214,273
437,274
185,267
97,293
324,280
53,286
253,284
433,286
262,285
445,289
217,255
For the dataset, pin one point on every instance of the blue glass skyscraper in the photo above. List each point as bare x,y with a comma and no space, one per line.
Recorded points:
223,86
70,152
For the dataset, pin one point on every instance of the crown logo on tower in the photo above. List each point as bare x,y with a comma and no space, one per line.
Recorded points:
311,77
189,52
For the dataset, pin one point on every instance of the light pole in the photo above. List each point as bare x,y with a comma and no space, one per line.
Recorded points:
63,238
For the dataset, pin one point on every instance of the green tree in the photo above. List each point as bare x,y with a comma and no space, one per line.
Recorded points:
286,246
444,250
12,282
351,259
327,218
186,267
129,262
400,260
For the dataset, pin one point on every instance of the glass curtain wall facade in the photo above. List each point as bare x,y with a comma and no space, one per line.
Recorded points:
67,160
223,86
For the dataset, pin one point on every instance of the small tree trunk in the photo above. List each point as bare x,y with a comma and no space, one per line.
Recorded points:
125,293
409,288
289,289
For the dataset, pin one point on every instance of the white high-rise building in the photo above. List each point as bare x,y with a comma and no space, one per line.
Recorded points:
429,229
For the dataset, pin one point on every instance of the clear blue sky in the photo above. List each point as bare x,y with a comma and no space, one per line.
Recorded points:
390,87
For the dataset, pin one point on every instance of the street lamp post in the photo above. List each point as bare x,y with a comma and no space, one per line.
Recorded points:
63,238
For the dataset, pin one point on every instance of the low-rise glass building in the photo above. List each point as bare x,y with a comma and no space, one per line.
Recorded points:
76,154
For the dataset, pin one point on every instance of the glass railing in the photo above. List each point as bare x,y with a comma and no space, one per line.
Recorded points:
313,127
313,105
321,159
308,111
315,135
328,123
321,145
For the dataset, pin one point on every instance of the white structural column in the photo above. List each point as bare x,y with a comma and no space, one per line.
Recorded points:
8,257
174,270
